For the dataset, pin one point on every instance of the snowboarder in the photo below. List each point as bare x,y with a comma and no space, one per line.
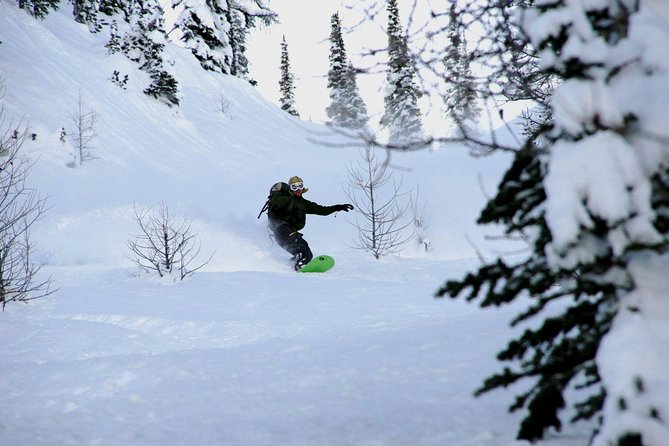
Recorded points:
287,215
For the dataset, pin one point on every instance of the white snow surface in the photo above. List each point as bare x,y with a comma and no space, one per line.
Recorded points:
245,352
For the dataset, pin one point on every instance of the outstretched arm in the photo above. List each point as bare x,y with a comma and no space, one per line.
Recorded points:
315,208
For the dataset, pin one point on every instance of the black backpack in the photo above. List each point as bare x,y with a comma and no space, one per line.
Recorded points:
277,189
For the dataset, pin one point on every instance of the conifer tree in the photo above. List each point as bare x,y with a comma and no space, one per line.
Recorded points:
346,109
111,7
357,116
461,97
139,33
86,12
338,66
286,85
215,31
238,33
163,87
39,8
590,199
618,245
244,16
560,352
205,28
401,117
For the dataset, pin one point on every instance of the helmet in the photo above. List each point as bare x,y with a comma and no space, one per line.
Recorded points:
295,183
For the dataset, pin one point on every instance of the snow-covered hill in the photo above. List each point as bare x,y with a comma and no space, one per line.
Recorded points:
246,352
217,166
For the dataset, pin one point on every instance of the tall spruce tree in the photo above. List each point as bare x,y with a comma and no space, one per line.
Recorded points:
286,85
461,98
402,117
239,66
590,195
358,118
346,109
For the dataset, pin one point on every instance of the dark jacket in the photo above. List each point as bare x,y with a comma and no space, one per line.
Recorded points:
292,210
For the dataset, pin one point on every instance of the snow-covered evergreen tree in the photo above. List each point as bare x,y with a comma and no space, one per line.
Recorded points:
111,7
607,186
86,12
238,33
346,109
590,194
286,85
558,352
139,33
39,8
215,31
205,27
338,67
401,117
114,41
164,86
461,98
244,16
358,118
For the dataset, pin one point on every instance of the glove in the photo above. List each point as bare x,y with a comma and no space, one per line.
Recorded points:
343,207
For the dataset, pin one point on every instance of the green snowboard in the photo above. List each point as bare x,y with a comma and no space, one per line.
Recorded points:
318,264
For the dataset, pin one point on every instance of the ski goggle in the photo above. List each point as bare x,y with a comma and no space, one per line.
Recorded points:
296,186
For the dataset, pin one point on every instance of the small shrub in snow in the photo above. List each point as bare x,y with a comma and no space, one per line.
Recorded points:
165,245
82,134
120,80
224,105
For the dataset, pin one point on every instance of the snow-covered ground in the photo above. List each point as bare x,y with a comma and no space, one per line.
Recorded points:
245,352
363,355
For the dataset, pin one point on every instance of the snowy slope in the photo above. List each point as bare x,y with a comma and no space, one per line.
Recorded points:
217,166
245,352
251,358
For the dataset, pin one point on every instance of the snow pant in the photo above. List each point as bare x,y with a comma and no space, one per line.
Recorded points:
292,241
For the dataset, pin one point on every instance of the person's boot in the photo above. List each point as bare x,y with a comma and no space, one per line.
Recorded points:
299,261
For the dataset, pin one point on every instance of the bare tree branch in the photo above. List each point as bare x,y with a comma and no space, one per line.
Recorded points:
164,244
83,132
20,208
381,229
